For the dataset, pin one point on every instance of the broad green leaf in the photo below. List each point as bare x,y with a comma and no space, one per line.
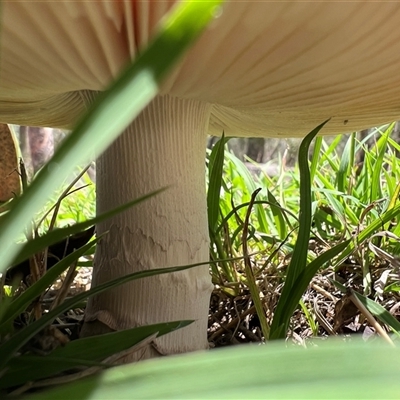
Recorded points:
332,369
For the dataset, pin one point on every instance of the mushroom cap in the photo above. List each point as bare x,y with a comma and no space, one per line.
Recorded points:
268,68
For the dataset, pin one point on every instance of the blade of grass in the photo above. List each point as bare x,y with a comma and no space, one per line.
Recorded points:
299,256
298,262
375,192
386,217
111,113
49,238
279,216
291,296
87,350
251,187
254,291
215,170
315,157
346,164
8,348
20,303
373,307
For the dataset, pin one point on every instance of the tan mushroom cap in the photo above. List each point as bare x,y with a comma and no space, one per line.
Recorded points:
268,68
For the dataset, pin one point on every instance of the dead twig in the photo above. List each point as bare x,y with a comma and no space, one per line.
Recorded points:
369,317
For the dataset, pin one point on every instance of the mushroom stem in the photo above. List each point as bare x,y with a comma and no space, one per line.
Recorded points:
164,146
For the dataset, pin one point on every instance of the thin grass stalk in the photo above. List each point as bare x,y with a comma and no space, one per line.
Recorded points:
299,257
315,156
309,318
386,217
376,191
369,317
254,290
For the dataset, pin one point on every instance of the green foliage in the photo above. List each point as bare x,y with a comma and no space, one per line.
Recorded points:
78,353
330,370
110,114
352,209
77,206
347,207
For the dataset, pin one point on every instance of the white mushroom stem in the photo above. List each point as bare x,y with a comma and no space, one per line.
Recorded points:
164,146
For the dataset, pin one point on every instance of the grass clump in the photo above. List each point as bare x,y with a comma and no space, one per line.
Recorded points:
334,248
307,253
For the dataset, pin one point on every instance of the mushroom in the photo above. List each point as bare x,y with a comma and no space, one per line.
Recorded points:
10,182
273,69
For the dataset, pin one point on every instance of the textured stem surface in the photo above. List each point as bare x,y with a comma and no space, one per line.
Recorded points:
164,146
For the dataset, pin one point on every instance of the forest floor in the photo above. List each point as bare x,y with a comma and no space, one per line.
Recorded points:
324,310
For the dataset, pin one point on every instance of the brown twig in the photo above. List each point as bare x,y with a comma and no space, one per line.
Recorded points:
369,317
62,293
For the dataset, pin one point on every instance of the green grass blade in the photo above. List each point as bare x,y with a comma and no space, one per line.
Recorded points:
87,351
346,164
299,257
291,296
49,238
215,170
232,212
251,188
254,290
386,217
329,155
375,192
279,216
110,114
373,307
8,348
315,157
309,318
20,303
379,312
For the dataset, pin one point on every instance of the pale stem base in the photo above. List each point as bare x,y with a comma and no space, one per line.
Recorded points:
164,146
